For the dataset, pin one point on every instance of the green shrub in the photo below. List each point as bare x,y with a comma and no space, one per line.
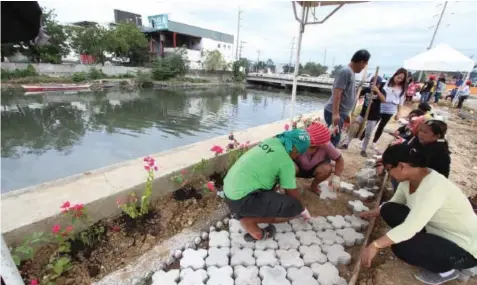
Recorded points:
94,73
144,79
79,77
170,66
19,73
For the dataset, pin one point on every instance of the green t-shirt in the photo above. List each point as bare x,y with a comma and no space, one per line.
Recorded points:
259,168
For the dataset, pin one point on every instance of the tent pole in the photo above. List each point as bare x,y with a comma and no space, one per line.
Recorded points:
301,30
10,273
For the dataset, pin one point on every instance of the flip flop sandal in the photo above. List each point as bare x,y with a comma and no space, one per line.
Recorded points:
267,233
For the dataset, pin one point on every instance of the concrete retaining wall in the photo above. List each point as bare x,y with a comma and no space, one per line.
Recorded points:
37,208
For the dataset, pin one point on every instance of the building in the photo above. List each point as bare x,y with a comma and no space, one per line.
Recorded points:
166,36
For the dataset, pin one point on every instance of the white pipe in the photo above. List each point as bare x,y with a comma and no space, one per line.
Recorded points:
301,30
10,273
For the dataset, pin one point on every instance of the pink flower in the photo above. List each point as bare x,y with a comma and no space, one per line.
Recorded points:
118,201
217,149
211,186
78,207
115,228
147,167
34,282
65,205
155,168
287,127
183,172
56,229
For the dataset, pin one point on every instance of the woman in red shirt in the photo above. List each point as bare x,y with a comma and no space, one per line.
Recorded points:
412,88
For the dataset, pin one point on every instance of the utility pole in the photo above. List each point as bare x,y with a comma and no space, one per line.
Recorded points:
291,55
258,58
238,32
324,59
240,49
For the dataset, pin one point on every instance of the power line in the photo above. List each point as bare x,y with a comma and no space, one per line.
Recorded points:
238,32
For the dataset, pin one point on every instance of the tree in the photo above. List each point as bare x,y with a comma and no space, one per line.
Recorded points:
91,40
240,68
271,65
258,66
313,69
288,68
126,40
336,69
214,61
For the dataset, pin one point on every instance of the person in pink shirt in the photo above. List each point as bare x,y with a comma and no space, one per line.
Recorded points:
316,162
412,89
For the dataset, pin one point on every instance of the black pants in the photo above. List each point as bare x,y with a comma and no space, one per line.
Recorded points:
382,123
461,101
424,250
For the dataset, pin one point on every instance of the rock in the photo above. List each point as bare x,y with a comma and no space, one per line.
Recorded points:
226,221
204,235
190,222
212,229
197,240
219,225
177,253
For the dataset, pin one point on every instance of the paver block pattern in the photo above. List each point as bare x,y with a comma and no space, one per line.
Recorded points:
218,256
312,254
330,237
235,226
336,254
350,236
193,258
237,240
283,228
320,224
338,222
246,275
356,222
266,244
193,277
219,239
347,187
327,274
366,177
300,224
326,192
242,256
274,275
166,278
301,276
363,194
308,237
265,257
357,206
290,258
220,276
287,241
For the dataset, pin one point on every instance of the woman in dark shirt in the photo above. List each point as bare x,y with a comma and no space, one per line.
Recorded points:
427,88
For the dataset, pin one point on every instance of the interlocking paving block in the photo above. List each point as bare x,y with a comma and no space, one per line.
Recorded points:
472,272
166,278
320,224
350,236
327,274
370,162
336,254
356,222
265,257
357,206
237,240
192,258
266,244
363,194
219,239
327,192
242,256
193,277
347,187
218,256
246,275
290,258
312,254
235,226
300,224
274,275
330,237
308,237
374,189
220,276
366,177
338,222
287,241
301,276
283,227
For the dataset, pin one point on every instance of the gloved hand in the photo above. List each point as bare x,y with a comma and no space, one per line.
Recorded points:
335,183
305,214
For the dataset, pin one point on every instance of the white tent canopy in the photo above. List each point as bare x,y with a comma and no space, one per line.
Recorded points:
440,58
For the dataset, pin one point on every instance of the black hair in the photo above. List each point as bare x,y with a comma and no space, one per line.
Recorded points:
404,153
438,128
391,83
417,112
361,55
442,79
411,80
424,107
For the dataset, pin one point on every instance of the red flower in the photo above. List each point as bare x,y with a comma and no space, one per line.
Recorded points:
183,172
78,207
56,229
217,149
65,205
34,282
211,186
155,168
147,167
69,229
287,127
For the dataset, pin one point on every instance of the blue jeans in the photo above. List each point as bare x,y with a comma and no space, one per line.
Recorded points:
425,97
329,120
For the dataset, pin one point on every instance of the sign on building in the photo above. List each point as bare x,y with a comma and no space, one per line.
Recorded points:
124,16
159,21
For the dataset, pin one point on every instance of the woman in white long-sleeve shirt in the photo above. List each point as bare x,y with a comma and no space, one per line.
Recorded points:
394,90
433,224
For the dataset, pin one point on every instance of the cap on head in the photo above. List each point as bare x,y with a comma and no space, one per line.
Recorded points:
468,82
319,134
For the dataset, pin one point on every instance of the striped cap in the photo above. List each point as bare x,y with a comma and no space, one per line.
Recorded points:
319,134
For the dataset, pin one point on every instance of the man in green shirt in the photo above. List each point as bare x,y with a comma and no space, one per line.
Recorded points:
249,184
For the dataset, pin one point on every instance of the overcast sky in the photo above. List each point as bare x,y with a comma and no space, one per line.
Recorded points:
391,31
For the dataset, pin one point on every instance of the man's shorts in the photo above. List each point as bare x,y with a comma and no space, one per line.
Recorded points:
310,173
265,204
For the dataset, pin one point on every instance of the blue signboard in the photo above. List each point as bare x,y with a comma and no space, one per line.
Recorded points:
159,21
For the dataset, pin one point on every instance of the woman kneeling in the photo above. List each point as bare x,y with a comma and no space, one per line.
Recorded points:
433,224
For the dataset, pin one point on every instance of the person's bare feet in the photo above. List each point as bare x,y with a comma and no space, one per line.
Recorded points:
315,189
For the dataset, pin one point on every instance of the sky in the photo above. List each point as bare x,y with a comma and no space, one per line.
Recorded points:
392,31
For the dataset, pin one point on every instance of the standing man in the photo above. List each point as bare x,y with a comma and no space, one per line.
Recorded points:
343,97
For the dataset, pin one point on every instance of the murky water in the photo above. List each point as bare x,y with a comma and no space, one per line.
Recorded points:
47,137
